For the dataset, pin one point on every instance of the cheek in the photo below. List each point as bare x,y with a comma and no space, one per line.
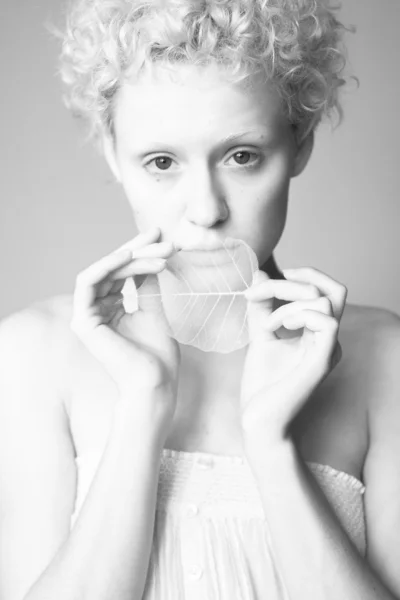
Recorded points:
139,196
272,211
278,175
149,206
266,197
266,231
262,217
268,221
271,183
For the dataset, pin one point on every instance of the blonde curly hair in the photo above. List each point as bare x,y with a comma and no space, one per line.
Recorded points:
298,44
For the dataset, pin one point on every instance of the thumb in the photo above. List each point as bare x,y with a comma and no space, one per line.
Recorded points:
149,300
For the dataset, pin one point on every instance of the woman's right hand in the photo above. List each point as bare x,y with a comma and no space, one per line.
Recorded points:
134,348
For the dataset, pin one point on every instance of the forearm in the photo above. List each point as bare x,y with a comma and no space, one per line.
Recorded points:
314,555
107,552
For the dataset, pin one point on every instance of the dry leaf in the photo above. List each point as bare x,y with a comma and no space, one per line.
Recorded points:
202,296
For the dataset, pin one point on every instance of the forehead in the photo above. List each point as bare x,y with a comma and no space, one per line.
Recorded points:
191,103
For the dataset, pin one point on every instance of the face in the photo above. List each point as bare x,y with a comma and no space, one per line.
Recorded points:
204,159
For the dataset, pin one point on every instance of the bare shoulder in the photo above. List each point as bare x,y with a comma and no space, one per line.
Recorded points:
357,317
367,334
371,352
47,320
44,314
37,451
56,374
379,329
378,363
39,335
334,427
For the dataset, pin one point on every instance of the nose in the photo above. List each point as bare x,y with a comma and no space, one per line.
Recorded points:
205,201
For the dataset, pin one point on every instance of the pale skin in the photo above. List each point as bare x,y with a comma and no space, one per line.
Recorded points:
201,194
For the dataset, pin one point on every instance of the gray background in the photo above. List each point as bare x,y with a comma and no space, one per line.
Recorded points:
61,210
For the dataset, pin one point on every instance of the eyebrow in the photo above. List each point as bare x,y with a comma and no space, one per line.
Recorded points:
233,137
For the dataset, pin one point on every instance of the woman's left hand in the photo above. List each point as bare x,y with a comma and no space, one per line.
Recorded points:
280,373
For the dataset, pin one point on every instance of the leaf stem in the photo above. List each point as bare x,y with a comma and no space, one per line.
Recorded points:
190,294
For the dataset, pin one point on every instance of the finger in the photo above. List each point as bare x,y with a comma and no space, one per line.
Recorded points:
323,326
260,279
160,250
110,300
110,287
86,281
317,356
142,239
118,285
284,290
103,268
256,314
139,266
277,319
334,290
314,320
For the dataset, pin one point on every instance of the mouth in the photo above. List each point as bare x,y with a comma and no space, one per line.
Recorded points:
201,246
211,243
208,258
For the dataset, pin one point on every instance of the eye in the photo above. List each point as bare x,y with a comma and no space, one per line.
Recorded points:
243,157
161,162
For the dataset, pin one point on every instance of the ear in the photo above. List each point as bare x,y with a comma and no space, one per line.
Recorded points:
109,154
303,154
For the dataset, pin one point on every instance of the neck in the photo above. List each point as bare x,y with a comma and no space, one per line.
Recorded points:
210,378
271,269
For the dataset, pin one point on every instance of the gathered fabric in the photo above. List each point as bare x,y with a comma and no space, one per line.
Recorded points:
211,538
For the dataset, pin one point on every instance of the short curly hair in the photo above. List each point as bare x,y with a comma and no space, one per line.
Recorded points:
298,44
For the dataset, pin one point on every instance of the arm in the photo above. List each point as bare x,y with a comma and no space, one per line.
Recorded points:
382,465
315,556
106,554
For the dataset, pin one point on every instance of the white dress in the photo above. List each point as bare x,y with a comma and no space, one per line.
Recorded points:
211,537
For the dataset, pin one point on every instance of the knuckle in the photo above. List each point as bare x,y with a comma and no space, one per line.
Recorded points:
333,324
324,302
314,291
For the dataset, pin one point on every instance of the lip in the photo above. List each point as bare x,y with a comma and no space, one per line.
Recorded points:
208,258
205,245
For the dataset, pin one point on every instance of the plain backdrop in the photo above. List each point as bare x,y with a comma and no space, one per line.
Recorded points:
61,210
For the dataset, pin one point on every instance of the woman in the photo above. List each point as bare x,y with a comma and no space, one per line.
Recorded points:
136,467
